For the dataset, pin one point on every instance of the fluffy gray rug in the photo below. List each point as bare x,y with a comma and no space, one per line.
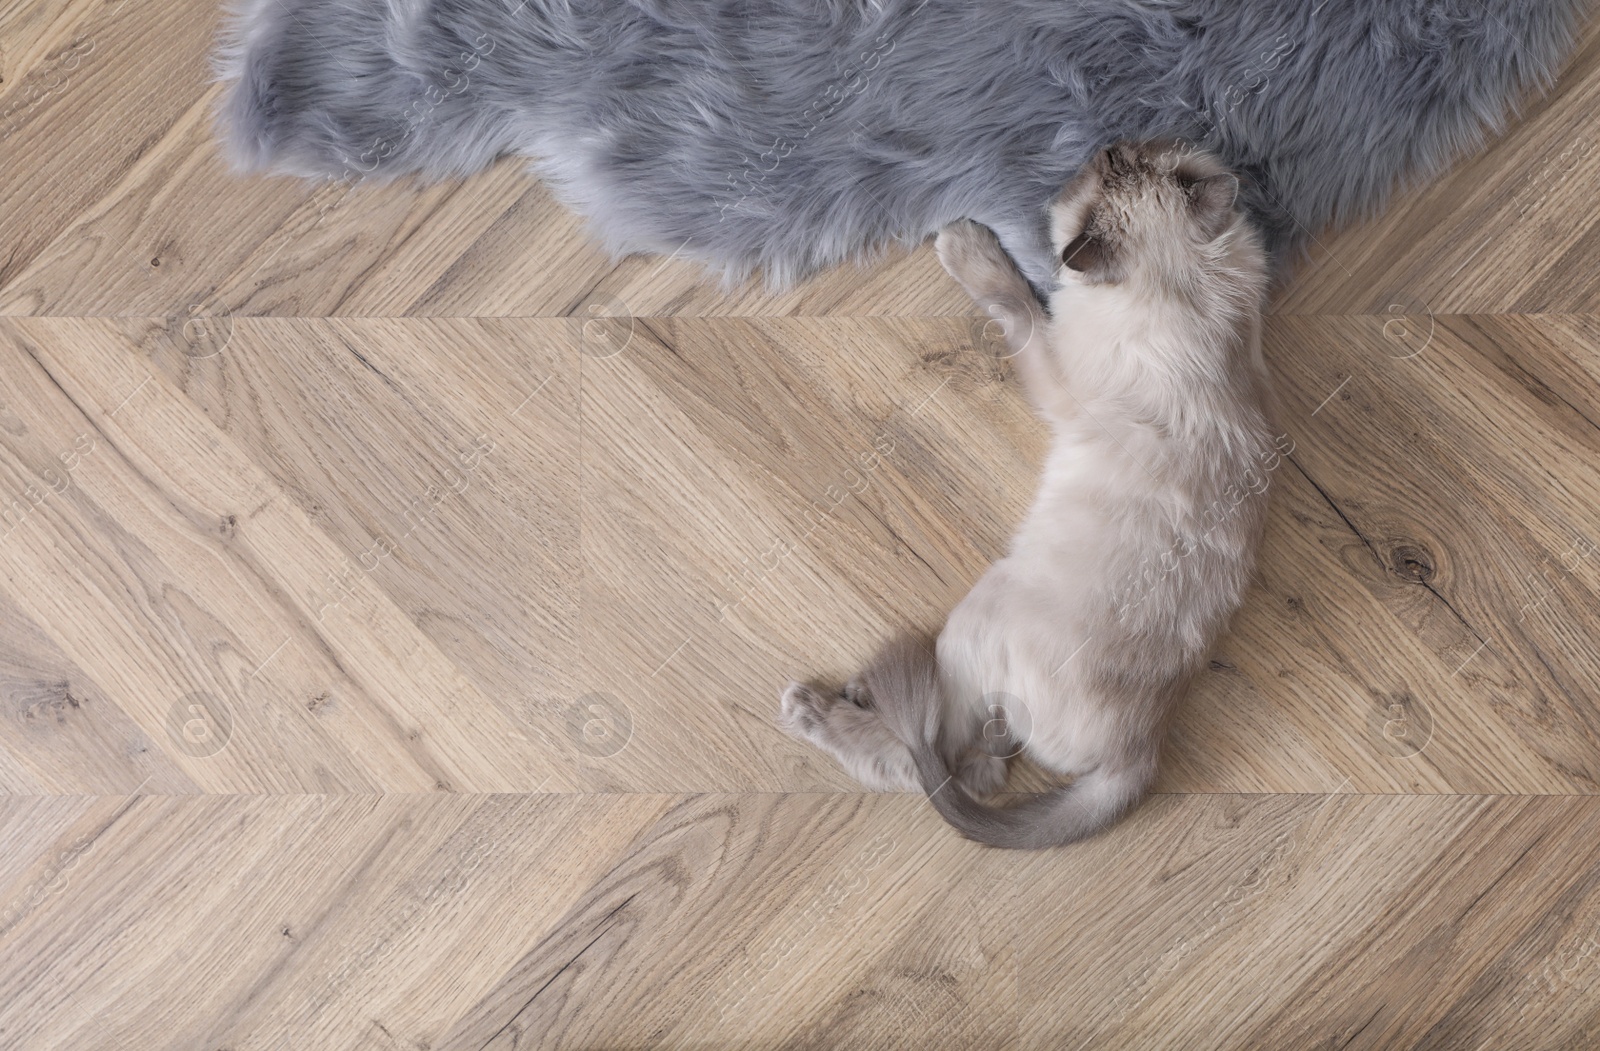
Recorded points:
787,135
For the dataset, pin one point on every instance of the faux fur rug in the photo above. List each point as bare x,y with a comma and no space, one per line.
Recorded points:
787,135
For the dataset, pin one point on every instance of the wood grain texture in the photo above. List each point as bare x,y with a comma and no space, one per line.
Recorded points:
395,593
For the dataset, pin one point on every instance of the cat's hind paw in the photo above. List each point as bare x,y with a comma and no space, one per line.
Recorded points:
802,710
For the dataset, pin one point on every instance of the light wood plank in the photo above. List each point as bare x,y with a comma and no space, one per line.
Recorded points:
198,576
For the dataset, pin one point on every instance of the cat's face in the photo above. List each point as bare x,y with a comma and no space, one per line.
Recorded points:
1141,211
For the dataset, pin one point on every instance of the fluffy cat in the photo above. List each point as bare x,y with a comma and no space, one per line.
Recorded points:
1141,540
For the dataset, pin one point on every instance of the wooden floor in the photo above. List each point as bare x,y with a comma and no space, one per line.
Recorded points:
395,594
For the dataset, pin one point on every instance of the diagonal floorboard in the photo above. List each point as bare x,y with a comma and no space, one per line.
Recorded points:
395,592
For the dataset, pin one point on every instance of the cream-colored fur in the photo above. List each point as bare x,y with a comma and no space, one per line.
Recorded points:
1141,541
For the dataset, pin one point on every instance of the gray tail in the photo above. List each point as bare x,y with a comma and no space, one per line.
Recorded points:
903,681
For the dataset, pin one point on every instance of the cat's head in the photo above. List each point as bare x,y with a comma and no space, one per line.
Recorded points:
1143,211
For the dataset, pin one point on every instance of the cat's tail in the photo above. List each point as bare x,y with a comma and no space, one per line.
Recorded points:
903,682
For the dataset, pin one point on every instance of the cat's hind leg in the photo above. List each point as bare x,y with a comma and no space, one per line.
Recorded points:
980,773
854,735
844,725
980,768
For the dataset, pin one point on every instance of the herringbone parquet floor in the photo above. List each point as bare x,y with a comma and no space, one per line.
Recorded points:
395,594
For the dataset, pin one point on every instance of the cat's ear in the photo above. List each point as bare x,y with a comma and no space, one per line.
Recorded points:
1211,202
1088,255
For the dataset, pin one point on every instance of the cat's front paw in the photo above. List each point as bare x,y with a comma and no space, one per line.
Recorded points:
972,254
802,710
967,250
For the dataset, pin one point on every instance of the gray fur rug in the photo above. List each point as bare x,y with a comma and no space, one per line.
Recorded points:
786,135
